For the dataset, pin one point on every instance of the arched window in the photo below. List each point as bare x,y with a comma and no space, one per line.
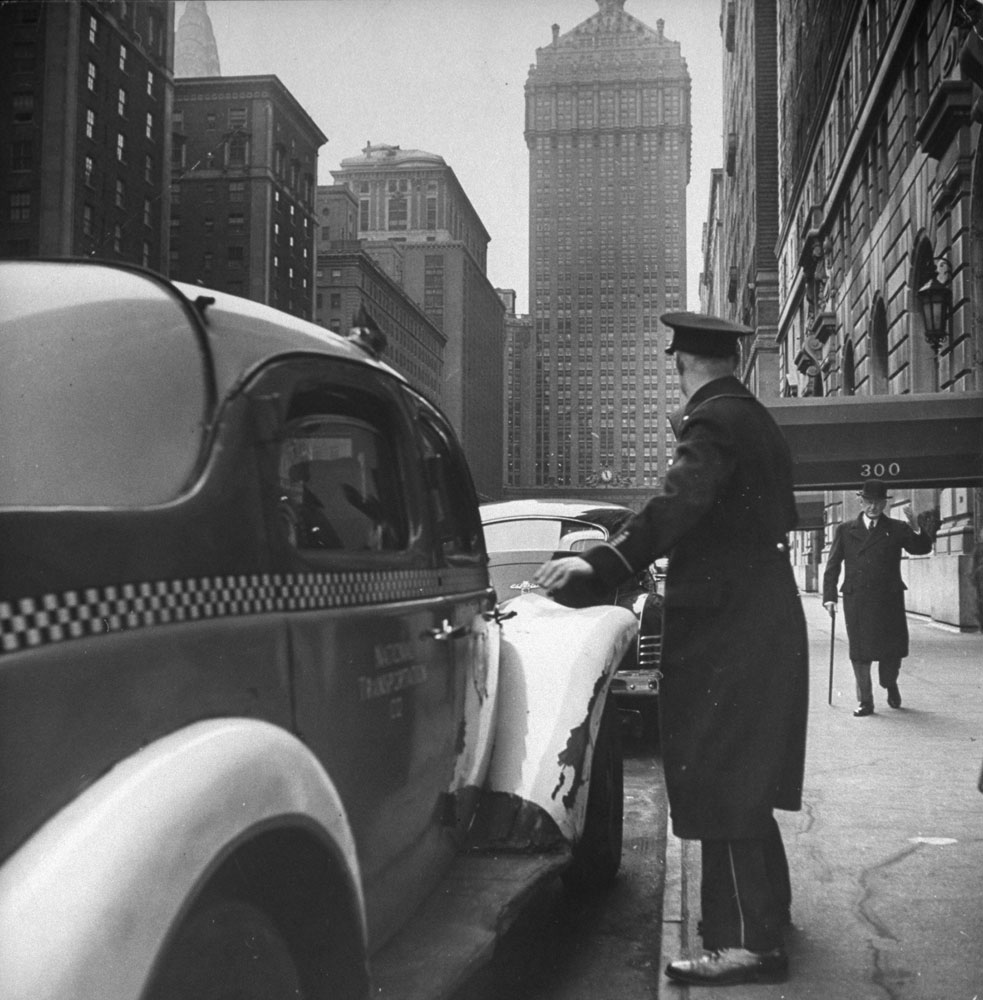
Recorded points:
849,383
878,349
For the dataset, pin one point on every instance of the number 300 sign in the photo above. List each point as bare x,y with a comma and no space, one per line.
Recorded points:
880,469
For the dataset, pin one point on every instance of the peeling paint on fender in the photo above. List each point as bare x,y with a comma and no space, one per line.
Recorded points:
555,669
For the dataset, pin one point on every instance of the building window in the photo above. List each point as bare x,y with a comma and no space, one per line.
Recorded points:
209,192
237,223
23,104
209,226
431,212
121,147
122,58
237,118
86,220
145,259
236,255
397,205
24,58
175,195
150,83
207,261
21,155
121,103
147,216
90,80
120,193
20,206
93,29
148,169
210,121
336,300
90,123
363,215
237,151
237,191
89,170
118,238
149,128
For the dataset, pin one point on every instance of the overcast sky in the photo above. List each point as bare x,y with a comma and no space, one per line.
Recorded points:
447,76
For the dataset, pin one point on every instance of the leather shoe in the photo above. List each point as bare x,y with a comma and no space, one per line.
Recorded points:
893,696
730,966
864,710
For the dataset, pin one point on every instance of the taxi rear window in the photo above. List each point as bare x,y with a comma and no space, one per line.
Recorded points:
103,388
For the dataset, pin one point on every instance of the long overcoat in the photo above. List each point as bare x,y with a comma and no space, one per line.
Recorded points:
734,694
873,590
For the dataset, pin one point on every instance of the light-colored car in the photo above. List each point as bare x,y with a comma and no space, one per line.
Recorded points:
265,730
522,534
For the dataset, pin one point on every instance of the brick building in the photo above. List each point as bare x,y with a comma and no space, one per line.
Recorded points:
84,128
244,165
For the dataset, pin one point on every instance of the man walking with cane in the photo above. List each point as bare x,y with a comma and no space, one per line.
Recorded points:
869,548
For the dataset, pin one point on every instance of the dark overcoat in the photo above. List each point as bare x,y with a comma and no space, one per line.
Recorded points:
734,695
873,591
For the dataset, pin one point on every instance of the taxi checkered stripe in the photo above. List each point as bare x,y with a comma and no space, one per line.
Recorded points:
37,621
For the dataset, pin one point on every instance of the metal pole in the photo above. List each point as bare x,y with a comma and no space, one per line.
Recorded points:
832,640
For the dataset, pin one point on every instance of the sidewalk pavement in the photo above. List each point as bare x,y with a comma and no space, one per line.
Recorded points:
886,855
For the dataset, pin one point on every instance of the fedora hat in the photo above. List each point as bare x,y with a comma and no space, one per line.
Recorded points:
874,489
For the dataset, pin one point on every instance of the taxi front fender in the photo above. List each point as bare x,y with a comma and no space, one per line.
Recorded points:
555,668
87,903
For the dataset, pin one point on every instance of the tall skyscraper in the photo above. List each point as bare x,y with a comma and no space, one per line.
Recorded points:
608,131
84,129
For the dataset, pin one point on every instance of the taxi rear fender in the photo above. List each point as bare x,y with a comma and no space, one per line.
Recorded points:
89,901
556,666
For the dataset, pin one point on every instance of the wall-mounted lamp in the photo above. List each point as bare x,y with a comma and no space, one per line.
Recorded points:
935,301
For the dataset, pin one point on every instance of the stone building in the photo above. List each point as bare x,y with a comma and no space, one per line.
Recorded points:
608,132
750,195
880,200
712,284
348,278
418,224
244,176
519,379
84,129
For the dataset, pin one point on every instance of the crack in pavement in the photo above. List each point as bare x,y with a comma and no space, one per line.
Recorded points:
882,940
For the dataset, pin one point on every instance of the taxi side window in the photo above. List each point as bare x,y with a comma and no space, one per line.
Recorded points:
339,477
451,498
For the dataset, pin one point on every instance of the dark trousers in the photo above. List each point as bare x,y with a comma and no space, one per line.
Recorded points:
745,893
887,674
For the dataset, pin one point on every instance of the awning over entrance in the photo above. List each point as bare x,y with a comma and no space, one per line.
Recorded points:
930,439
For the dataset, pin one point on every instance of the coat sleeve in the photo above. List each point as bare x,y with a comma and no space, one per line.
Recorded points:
831,575
704,459
918,543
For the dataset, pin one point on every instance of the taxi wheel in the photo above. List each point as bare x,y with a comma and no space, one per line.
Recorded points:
227,948
597,855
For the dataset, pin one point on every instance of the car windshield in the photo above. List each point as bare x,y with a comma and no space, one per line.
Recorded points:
542,533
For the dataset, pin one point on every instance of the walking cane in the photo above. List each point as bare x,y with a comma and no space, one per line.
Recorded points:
832,639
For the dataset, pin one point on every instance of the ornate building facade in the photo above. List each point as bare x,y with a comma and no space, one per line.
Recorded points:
881,198
608,132
420,227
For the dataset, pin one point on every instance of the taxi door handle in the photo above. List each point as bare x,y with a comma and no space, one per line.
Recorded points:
445,631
